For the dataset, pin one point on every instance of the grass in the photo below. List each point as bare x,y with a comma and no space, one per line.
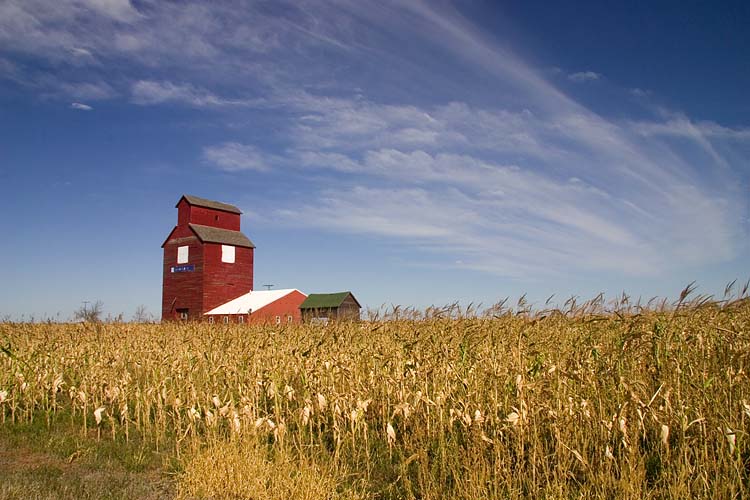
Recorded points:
592,401
57,462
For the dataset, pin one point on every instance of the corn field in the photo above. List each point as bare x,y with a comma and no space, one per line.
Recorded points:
583,402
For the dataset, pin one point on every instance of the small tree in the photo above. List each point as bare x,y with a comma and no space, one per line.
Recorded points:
142,315
91,313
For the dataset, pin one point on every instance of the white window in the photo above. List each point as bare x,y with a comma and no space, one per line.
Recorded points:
226,320
278,320
211,319
227,254
182,255
289,319
240,319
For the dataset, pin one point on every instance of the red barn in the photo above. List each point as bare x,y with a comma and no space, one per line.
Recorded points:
272,307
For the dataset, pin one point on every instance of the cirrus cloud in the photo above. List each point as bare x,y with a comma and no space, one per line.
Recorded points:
457,145
235,157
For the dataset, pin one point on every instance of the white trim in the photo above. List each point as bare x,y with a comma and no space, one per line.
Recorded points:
182,254
227,254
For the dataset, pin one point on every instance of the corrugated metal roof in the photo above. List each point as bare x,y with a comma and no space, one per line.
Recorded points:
251,301
325,300
208,234
216,205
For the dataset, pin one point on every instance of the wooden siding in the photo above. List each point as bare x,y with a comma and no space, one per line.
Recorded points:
288,305
182,290
187,213
349,309
223,281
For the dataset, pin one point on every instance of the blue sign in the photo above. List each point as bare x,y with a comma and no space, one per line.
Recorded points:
188,268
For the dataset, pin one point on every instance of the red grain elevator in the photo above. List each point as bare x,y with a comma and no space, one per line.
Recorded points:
208,261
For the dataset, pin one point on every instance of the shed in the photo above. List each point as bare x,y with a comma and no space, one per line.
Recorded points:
260,306
323,307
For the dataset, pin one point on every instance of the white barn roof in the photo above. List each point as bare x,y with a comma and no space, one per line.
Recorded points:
251,301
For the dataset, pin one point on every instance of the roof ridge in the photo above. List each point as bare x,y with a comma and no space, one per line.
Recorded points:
204,202
239,304
322,300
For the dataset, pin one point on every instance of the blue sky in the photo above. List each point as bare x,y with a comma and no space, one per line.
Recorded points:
416,153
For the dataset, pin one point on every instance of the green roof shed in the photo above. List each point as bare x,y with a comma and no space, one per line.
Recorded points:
330,306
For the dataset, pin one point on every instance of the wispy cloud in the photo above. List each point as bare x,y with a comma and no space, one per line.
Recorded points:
500,169
149,92
556,184
81,52
589,227
120,10
636,218
93,91
234,157
584,76
681,126
640,93
81,106
477,231
83,37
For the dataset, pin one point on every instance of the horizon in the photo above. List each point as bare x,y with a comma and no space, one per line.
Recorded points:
414,153
689,296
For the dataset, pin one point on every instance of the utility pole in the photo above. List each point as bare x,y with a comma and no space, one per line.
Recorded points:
268,287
